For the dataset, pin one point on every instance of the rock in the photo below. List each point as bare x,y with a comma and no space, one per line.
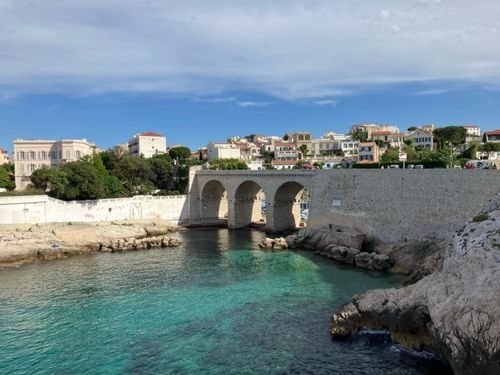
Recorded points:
454,311
274,244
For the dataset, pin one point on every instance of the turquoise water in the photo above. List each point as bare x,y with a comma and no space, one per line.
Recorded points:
215,305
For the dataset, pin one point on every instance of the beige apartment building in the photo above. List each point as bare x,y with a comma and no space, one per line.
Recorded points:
147,144
30,155
4,156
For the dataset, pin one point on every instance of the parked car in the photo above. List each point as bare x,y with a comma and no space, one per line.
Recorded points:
394,166
419,166
307,166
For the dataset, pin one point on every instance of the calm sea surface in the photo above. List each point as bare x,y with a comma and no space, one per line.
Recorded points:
215,305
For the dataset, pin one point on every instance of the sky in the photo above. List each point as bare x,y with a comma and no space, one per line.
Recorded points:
199,71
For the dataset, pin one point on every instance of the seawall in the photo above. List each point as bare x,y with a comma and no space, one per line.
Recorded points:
41,209
399,205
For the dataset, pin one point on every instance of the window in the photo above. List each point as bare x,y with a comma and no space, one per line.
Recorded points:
32,155
44,155
78,154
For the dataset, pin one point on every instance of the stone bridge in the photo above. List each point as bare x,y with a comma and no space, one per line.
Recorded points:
237,196
388,204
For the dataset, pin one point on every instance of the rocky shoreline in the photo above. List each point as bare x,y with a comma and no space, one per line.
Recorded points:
20,245
450,302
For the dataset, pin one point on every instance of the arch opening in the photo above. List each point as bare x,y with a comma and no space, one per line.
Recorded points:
214,204
291,206
249,205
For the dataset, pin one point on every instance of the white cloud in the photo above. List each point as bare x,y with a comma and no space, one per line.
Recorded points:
287,48
246,104
325,102
432,92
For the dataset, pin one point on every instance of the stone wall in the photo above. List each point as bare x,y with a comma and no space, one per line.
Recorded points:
394,205
38,209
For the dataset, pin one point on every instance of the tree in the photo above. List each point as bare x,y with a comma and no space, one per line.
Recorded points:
134,172
180,153
408,142
83,181
489,147
451,134
42,178
303,150
162,168
6,177
359,136
390,156
412,128
112,156
228,164
471,152
286,137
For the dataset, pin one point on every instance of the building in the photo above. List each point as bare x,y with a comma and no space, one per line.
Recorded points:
255,165
368,152
284,164
323,147
4,156
492,136
221,150
428,128
369,129
348,148
473,131
284,150
421,138
390,140
301,140
248,150
147,144
30,155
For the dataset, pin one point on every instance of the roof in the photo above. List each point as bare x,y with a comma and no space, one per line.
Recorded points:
381,133
471,127
367,144
493,132
284,162
151,134
2,150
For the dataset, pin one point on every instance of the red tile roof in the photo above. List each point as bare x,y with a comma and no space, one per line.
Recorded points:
151,134
381,133
493,132
471,127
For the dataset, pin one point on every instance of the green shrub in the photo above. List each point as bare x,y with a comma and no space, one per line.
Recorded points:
480,217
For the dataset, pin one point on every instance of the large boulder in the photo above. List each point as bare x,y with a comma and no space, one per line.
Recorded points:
454,311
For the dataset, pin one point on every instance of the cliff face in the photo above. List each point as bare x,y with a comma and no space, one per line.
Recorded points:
454,311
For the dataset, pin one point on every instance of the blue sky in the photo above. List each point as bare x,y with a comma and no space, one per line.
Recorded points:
199,71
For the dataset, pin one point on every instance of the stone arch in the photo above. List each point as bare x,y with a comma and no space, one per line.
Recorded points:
247,205
286,206
214,205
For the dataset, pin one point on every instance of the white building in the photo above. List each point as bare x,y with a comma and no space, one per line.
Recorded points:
30,155
255,165
473,130
349,148
422,138
221,150
4,156
147,144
